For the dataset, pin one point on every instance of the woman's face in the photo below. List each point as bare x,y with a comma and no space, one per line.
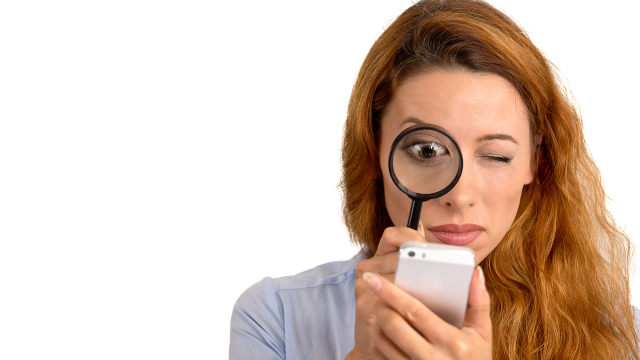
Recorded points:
486,116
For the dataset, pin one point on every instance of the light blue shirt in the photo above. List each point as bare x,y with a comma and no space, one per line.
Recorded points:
310,315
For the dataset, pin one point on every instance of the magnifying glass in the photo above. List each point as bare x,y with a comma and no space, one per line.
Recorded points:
425,163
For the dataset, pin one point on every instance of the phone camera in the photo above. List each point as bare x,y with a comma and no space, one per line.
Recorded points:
412,254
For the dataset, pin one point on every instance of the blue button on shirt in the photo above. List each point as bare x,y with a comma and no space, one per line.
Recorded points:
310,315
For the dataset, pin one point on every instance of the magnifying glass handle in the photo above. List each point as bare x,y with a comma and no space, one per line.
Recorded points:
414,214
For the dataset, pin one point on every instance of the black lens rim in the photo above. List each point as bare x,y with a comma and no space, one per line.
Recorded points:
414,195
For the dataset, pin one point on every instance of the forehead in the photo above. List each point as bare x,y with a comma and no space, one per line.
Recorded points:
468,105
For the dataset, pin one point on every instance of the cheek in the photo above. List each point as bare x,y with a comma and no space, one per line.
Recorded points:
502,192
503,200
396,202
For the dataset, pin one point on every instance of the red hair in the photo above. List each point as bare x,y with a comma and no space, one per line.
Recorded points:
559,279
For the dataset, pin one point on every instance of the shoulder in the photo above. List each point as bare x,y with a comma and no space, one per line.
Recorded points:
273,307
269,289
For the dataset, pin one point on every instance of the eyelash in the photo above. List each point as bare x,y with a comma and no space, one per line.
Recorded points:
498,158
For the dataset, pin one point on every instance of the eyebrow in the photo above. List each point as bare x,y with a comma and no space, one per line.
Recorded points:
414,120
497,137
489,137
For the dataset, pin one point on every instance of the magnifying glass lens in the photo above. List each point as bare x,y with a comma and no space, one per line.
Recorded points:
425,161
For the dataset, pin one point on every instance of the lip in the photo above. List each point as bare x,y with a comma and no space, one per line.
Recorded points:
454,234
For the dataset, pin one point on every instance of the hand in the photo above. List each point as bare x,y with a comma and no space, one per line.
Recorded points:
406,329
384,262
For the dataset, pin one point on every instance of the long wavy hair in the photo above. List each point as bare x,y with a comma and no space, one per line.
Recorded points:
559,280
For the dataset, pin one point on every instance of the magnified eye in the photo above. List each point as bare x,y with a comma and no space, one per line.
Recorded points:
428,150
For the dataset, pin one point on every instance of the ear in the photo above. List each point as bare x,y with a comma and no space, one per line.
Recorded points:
534,159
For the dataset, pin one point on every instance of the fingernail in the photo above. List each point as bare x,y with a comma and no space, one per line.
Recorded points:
481,277
421,228
373,281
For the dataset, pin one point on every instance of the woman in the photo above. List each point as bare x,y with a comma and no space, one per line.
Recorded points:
553,278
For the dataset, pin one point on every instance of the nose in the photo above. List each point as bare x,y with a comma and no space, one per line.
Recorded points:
464,194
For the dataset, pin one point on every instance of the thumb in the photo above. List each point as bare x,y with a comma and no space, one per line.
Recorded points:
477,316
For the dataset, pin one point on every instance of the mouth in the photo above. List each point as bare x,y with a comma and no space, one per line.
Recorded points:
453,234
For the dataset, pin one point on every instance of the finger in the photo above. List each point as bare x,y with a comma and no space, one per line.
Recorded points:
364,308
393,237
385,261
478,316
421,229
385,345
385,264
361,287
404,340
365,300
412,310
376,354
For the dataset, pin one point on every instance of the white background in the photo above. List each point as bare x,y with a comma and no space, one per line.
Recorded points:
159,157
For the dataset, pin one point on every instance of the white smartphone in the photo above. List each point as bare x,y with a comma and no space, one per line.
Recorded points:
439,275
